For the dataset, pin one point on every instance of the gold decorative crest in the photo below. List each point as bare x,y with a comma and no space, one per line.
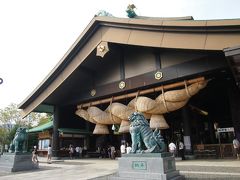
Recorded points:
102,49
122,85
158,75
93,92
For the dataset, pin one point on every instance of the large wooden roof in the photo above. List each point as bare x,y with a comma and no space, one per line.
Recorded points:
175,33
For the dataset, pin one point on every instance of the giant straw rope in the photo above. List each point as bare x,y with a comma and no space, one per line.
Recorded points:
117,113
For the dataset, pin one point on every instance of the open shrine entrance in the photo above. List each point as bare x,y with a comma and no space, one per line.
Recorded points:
196,119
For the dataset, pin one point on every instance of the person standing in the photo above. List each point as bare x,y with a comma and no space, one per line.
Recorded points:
113,152
172,148
71,151
181,150
236,146
109,151
34,155
128,149
123,148
49,154
77,150
80,152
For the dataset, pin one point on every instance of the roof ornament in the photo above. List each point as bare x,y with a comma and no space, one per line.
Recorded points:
130,11
102,49
103,13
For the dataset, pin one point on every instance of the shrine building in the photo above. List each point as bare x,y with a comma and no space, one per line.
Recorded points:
182,74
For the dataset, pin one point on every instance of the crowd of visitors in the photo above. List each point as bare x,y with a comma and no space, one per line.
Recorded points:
110,151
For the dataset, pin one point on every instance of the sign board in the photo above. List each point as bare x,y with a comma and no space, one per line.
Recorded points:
229,129
44,135
139,165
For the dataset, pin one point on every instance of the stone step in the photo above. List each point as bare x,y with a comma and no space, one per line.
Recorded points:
208,168
209,172
193,175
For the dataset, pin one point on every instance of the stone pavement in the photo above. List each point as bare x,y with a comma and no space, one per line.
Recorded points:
224,169
66,170
92,168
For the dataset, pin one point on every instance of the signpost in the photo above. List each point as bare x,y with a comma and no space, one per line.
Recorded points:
229,129
223,130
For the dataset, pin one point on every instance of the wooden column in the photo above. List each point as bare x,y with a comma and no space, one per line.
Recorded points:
234,99
55,135
187,130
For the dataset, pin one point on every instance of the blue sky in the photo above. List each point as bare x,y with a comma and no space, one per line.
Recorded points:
35,34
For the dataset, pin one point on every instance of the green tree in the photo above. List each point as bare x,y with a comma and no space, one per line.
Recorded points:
10,115
45,119
3,136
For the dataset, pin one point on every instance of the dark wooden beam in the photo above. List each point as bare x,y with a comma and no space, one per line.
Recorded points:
142,92
184,71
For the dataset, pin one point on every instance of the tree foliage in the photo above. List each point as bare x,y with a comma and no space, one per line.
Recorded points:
10,115
10,120
45,119
3,136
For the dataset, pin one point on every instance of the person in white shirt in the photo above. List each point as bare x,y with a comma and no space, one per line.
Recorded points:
123,148
236,146
128,148
172,148
49,155
77,150
71,151
181,149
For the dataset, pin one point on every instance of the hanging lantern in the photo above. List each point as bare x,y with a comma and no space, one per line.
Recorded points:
124,127
158,121
101,129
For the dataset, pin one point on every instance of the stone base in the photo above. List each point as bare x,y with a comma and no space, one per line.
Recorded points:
152,166
13,162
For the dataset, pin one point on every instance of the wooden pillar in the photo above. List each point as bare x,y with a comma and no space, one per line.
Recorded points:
55,135
234,99
187,130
